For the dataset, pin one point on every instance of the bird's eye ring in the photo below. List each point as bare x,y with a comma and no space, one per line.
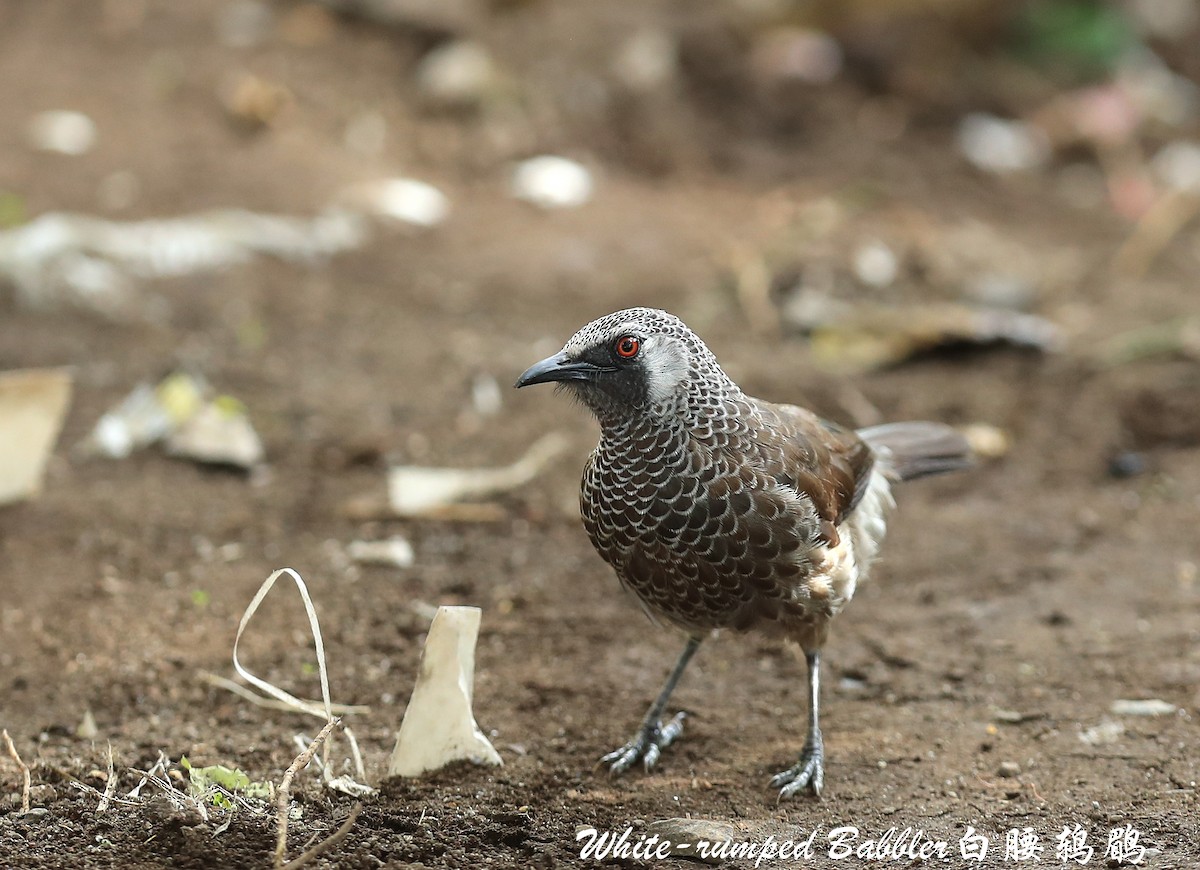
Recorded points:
627,346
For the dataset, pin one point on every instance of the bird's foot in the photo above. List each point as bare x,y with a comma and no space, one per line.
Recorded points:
808,772
648,745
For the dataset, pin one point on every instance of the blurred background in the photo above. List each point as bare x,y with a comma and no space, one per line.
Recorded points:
256,253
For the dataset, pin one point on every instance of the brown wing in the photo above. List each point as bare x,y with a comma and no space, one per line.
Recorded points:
826,462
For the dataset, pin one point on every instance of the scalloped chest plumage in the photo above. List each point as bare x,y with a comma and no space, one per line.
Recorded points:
734,514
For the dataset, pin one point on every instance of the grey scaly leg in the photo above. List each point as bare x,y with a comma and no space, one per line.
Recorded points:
652,736
809,771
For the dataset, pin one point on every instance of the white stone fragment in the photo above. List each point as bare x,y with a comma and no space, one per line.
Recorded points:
1103,734
219,433
395,552
439,725
987,441
62,132
552,182
458,74
1178,166
876,265
415,490
145,416
402,199
33,403
1149,707
999,145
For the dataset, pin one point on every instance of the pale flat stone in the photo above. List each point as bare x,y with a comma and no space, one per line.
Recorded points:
33,403
439,725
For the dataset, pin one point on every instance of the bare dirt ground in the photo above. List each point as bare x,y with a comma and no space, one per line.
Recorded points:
1014,605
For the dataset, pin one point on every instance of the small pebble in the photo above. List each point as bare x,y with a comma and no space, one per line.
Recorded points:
1009,769
987,441
875,264
552,182
999,145
456,75
1127,464
685,833
62,132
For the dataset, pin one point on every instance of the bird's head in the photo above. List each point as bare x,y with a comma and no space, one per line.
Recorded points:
635,360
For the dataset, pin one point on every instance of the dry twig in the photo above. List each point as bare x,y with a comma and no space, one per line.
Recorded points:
284,798
12,751
110,787
328,843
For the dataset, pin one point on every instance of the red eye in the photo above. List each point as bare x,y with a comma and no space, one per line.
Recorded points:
627,347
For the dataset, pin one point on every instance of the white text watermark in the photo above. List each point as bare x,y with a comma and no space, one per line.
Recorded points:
1071,845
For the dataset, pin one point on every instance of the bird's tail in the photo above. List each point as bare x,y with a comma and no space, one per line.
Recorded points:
919,449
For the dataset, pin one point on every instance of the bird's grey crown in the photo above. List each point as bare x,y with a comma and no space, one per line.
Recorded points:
698,384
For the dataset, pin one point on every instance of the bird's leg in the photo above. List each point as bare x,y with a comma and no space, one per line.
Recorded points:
652,736
809,771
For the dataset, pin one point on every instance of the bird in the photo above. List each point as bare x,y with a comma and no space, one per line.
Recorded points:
718,510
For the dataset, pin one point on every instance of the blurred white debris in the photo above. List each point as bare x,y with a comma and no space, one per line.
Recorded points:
86,729
417,491
998,145
1149,707
439,725
395,552
875,264
552,182
146,415
91,262
181,412
1177,165
797,54
401,199
456,75
647,60
485,395
219,433
986,441
33,403
62,132
1104,733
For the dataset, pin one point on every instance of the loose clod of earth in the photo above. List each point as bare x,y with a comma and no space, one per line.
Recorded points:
719,510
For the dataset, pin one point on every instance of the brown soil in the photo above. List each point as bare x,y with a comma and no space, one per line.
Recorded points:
1014,605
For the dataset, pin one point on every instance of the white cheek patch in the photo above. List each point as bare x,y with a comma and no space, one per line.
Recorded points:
665,362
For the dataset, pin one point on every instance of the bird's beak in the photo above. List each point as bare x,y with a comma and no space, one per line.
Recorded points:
559,367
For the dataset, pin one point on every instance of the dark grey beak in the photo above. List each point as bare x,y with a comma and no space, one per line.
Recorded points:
559,367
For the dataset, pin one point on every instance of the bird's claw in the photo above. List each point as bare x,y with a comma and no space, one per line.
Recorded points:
808,772
648,745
